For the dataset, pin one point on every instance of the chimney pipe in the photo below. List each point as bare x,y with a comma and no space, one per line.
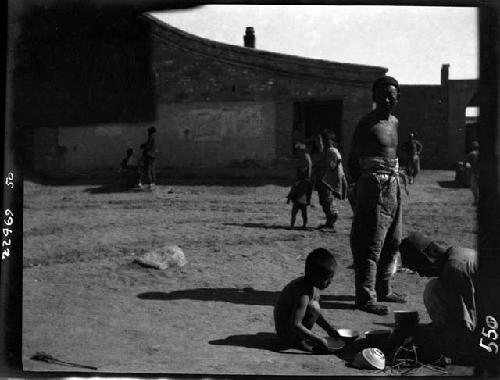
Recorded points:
445,73
249,37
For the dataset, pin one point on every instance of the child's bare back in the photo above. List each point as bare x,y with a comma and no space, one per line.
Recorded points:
298,310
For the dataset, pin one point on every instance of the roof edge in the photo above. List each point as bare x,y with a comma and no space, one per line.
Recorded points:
240,53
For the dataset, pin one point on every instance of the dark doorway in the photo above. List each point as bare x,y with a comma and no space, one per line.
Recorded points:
312,117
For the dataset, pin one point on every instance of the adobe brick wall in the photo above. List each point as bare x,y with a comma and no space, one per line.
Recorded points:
436,114
217,107
422,110
460,94
187,70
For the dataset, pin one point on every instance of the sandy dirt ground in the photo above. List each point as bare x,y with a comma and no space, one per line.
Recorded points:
86,301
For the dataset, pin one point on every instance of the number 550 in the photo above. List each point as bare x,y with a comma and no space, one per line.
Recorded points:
489,347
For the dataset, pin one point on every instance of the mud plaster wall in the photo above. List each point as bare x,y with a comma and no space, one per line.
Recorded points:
423,111
436,114
213,112
187,73
86,149
215,134
188,135
460,94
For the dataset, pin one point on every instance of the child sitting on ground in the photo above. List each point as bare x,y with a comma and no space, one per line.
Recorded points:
297,309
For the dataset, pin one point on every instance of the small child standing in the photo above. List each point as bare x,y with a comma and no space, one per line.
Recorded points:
301,191
300,195
297,309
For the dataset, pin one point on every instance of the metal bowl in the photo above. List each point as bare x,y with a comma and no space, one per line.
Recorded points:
369,358
348,334
334,344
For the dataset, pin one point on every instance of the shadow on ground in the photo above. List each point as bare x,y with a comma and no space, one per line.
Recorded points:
282,227
109,179
263,225
111,188
271,342
450,184
263,340
245,296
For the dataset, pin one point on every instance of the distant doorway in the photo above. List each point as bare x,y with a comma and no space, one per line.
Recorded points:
312,117
471,125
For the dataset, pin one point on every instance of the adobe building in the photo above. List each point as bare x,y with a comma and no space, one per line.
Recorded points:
436,114
218,108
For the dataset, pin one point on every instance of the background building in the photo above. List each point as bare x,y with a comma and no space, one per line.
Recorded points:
218,107
437,116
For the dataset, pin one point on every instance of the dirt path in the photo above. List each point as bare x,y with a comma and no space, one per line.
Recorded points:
86,301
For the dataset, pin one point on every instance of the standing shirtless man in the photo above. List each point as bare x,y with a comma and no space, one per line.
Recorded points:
377,224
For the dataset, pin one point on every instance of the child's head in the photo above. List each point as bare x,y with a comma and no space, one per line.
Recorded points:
328,137
320,267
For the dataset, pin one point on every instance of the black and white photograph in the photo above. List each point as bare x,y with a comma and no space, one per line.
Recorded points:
251,189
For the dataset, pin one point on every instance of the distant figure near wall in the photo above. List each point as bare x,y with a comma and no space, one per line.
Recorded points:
149,158
472,165
412,148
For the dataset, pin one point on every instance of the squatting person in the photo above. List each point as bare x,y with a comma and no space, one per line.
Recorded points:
449,297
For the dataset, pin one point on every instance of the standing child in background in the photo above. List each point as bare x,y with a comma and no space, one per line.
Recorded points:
149,158
333,182
300,193
329,178
413,149
297,309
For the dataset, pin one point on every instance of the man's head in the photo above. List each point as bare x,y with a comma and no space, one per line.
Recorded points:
320,267
151,130
474,145
411,136
130,151
422,255
385,93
